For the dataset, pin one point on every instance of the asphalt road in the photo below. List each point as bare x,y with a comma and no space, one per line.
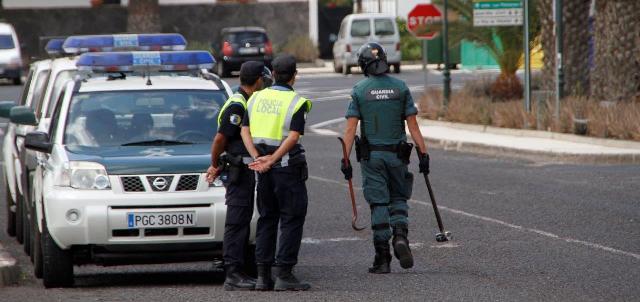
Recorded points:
523,231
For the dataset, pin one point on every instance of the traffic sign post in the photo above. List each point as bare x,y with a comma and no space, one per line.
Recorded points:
425,22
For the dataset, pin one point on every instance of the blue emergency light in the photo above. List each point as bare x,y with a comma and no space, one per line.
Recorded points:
54,46
143,42
145,61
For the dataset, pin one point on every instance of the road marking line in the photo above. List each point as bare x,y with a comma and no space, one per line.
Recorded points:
309,240
504,223
316,128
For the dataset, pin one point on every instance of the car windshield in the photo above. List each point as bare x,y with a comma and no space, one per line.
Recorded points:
384,27
247,37
6,42
360,28
157,117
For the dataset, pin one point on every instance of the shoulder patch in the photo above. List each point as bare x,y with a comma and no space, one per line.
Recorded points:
382,94
235,119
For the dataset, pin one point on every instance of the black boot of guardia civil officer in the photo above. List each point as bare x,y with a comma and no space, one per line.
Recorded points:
382,259
287,281
401,246
236,279
264,281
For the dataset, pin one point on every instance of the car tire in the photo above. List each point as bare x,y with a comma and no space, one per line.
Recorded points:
36,249
57,264
396,68
346,69
337,68
11,216
26,231
19,224
250,267
17,81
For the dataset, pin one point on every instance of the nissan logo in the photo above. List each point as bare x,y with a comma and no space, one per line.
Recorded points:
160,183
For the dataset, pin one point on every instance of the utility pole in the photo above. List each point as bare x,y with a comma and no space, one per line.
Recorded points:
527,59
445,55
379,6
359,6
559,63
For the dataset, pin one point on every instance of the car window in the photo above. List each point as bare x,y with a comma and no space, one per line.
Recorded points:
6,42
25,88
53,128
384,27
360,28
343,29
62,78
38,93
247,37
115,118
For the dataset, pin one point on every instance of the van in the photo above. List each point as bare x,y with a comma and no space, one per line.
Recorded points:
10,56
359,29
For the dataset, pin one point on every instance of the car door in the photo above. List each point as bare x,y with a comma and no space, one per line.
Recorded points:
360,33
385,33
339,45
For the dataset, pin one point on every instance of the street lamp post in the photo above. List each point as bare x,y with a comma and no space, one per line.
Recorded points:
445,47
559,50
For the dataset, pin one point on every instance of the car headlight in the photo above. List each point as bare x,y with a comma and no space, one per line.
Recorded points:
83,175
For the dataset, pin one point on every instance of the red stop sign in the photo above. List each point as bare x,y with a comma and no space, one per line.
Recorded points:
424,21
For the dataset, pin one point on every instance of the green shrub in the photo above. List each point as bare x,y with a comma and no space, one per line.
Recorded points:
302,48
410,46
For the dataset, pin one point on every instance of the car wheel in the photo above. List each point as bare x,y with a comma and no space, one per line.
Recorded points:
26,231
250,267
11,216
396,68
57,264
19,224
346,69
36,249
337,68
17,81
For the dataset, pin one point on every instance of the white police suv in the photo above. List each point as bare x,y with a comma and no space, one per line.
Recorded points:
123,180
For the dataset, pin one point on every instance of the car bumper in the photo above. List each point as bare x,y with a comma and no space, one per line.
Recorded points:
102,217
10,73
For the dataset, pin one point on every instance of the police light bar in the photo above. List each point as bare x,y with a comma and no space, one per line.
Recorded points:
54,47
143,42
145,61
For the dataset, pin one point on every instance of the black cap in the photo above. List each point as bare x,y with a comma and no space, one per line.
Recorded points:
251,69
284,64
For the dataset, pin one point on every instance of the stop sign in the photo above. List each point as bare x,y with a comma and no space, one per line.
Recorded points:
424,21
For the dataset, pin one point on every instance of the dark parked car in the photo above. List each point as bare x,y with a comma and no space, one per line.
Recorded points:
241,44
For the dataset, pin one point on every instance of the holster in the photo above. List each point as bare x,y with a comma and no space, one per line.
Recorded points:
404,151
363,149
232,168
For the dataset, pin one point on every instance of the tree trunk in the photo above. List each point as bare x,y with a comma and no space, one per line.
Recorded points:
548,41
617,50
144,16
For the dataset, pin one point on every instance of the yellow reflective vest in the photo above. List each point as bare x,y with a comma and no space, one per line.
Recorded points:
237,98
270,112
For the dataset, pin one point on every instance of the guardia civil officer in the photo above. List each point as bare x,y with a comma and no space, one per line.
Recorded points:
382,104
271,131
237,178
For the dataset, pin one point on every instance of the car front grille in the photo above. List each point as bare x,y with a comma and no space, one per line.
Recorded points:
188,183
159,183
132,184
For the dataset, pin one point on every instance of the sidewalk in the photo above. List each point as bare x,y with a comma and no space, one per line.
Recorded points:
311,68
9,271
530,144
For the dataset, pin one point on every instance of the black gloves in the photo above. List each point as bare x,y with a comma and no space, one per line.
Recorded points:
346,169
424,163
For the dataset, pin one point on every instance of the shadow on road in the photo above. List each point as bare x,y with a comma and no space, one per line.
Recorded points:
209,277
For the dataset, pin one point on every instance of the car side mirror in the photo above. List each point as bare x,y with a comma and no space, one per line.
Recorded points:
38,141
22,115
5,108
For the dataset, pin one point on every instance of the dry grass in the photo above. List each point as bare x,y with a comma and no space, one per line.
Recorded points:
620,120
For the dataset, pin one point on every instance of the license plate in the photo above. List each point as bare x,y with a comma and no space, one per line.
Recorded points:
248,51
160,220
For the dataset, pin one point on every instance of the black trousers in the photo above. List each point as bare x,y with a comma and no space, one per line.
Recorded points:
282,199
239,201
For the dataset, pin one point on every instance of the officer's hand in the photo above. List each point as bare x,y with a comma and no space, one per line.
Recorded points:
212,173
262,164
347,170
424,163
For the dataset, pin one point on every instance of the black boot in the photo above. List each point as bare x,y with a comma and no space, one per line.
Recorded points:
382,258
287,281
264,281
236,279
401,246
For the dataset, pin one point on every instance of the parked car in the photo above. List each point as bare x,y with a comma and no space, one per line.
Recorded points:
241,44
10,55
123,179
359,29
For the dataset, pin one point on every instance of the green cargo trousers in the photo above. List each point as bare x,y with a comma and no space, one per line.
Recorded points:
387,185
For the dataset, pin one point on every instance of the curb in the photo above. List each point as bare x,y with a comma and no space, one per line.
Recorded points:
9,271
535,155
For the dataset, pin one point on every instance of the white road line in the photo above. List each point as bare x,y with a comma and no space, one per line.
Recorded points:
316,128
504,223
309,240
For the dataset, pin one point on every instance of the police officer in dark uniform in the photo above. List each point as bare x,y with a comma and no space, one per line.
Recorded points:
237,178
271,131
382,104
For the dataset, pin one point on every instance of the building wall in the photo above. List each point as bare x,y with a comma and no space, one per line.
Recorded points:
201,23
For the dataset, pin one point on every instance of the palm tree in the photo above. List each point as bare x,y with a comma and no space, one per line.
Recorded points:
144,16
504,43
